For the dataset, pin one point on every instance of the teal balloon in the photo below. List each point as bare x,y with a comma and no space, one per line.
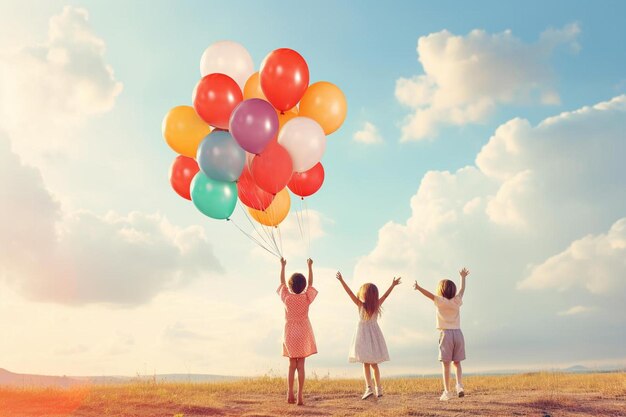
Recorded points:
216,199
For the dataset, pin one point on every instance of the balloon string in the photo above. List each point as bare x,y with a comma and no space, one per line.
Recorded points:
280,239
268,232
253,226
298,216
270,236
245,212
251,237
302,234
274,238
267,235
272,217
308,224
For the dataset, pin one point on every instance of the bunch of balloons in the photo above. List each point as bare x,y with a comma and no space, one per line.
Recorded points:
251,135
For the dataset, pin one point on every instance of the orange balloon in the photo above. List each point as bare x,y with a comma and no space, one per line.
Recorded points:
183,130
286,116
325,103
252,89
276,212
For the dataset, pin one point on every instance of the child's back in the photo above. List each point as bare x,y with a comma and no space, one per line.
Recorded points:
451,341
448,311
298,337
299,340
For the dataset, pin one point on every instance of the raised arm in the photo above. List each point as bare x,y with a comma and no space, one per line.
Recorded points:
353,297
309,262
427,293
283,262
396,281
464,273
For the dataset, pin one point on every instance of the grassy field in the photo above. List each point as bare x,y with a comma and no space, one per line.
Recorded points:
534,394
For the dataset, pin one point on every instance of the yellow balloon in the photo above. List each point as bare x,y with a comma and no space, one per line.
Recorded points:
252,89
326,104
276,212
183,130
286,116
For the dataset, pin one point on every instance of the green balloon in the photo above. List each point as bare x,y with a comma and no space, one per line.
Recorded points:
216,199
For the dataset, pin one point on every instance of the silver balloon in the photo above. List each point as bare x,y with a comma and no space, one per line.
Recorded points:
220,157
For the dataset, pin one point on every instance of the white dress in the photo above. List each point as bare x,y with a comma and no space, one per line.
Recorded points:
368,343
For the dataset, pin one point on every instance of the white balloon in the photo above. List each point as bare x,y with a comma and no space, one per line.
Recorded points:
230,58
305,141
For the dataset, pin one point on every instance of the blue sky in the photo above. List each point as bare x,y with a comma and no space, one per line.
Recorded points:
113,159
362,48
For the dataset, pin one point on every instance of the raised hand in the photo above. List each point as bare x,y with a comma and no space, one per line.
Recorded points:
347,289
310,264
396,281
283,262
426,293
464,272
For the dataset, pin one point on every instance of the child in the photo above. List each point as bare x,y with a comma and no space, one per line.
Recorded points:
368,343
451,342
298,338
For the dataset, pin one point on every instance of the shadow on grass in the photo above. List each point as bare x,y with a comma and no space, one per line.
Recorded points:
549,405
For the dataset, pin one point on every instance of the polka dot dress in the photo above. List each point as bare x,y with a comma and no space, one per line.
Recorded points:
298,337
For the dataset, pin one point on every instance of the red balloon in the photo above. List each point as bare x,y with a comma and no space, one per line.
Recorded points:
272,168
284,77
215,97
250,193
308,182
182,171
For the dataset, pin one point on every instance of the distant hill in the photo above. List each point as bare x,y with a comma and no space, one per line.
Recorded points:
577,368
13,379
8,378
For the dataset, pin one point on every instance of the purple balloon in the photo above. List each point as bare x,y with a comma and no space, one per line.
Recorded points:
253,124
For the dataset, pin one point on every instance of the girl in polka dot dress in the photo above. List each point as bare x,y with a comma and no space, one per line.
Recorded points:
298,337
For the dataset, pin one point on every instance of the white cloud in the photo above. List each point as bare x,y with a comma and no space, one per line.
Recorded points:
466,77
533,191
178,332
48,92
550,98
49,89
369,135
576,310
80,257
596,263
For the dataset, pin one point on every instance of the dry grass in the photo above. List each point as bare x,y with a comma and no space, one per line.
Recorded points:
540,394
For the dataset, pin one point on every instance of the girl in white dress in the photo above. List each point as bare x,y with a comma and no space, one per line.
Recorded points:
368,343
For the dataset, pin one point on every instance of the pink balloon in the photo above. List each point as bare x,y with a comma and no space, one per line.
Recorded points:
253,124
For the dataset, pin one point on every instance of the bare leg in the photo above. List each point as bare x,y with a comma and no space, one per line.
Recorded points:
300,381
446,375
292,371
367,374
459,373
376,375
